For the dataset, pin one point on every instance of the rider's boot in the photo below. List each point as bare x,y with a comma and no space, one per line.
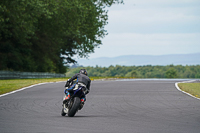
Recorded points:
82,103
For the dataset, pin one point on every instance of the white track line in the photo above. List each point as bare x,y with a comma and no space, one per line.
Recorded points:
24,88
176,84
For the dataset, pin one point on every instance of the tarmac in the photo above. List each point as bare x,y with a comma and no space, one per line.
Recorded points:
114,106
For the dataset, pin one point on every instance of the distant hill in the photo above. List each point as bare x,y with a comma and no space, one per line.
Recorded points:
140,60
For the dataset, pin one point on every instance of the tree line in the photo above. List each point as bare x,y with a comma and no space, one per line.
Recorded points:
44,35
148,71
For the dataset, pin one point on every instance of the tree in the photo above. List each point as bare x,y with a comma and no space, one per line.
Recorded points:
134,74
142,71
44,35
171,73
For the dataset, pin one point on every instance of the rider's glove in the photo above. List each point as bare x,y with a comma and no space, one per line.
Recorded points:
67,84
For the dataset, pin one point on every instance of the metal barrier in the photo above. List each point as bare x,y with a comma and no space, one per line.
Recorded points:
28,75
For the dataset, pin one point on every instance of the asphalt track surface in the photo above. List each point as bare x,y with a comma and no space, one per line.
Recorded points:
138,106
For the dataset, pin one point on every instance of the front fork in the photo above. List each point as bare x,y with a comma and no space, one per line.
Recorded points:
65,109
65,103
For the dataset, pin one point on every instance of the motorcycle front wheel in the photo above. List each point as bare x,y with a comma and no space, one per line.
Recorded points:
62,112
75,106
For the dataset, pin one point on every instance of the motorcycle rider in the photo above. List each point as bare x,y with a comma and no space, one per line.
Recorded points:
81,80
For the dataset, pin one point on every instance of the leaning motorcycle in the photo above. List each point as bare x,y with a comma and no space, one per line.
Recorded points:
73,104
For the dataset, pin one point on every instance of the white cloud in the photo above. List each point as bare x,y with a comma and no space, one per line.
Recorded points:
140,16
148,44
155,18
133,39
152,27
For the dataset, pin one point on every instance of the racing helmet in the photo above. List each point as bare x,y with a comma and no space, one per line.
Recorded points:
83,71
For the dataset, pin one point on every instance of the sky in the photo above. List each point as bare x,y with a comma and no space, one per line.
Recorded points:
151,27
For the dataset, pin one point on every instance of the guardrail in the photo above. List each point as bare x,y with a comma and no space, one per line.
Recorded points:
28,75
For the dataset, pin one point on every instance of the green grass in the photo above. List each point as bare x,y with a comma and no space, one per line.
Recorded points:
14,84
191,88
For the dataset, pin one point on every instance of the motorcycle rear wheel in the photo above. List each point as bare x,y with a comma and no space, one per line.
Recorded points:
75,106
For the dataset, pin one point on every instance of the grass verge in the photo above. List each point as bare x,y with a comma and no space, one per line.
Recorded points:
191,88
14,84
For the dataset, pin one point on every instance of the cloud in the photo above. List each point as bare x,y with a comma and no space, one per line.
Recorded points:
148,44
152,27
154,16
130,39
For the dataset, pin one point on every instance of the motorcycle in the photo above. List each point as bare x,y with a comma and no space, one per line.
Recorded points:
73,104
